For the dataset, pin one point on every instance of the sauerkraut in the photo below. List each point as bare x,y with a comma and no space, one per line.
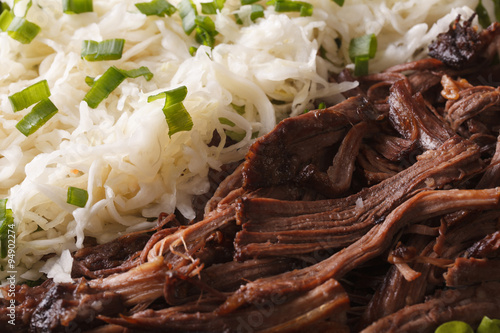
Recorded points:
276,66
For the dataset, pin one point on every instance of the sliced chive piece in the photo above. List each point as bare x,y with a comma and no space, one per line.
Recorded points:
488,325
257,11
205,30
188,14
77,196
156,7
77,6
339,2
141,71
225,121
176,115
110,49
89,81
27,6
30,95
239,109
109,81
172,97
361,50
496,9
38,116
235,136
305,9
204,37
454,326
5,19
361,65
3,6
178,119
248,2
192,50
22,30
102,87
210,8
364,46
5,216
6,223
482,15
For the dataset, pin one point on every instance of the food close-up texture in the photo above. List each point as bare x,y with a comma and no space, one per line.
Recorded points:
249,166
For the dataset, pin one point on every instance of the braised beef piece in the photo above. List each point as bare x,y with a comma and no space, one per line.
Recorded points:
421,206
470,305
280,313
470,271
99,260
76,305
279,156
487,247
460,47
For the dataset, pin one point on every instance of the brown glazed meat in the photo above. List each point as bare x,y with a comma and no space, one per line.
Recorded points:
377,214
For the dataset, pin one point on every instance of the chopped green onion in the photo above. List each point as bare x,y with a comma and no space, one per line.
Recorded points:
6,223
30,95
256,12
141,71
22,30
109,81
77,6
362,49
192,50
178,119
225,121
3,6
206,23
496,9
322,105
210,8
488,325
102,87
235,136
454,327
40,114
110,49
482,15
156,7
205,31
27,6
248,2
5,216
239,109
305,9
77,196
89,81
204,37
188,14
172,97
5,19
361,65
339,2
364,46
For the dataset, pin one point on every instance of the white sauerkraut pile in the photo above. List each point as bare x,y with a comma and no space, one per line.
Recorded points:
121,152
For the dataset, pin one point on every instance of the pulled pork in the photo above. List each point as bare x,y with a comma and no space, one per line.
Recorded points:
377,214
